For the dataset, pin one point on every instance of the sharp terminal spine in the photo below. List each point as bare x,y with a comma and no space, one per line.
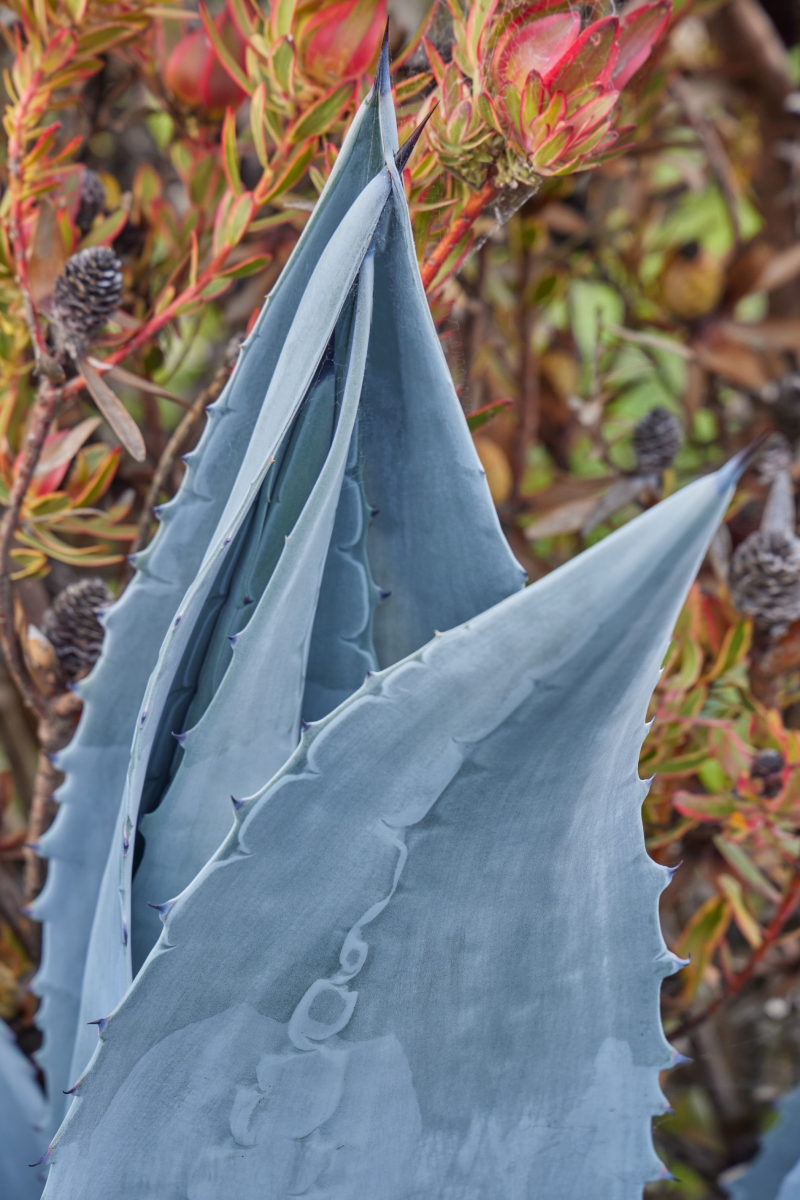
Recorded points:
407,149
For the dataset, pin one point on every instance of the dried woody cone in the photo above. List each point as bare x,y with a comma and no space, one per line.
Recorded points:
86,294
764,577
71,625
72,628
656,440
92,202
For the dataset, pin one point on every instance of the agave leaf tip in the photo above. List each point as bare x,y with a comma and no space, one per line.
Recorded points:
407,149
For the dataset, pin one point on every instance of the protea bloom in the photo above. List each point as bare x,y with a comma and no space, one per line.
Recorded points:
195,75
533,94
340,40
553,87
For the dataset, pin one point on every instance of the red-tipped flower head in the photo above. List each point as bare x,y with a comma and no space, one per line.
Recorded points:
196,76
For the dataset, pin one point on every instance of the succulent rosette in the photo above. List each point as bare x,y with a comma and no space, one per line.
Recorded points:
543,93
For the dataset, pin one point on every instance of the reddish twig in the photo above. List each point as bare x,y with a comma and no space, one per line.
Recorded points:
787,906
16,152
460,227
47,402
172,448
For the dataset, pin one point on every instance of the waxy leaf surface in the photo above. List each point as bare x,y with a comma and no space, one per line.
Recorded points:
426,961
22,1114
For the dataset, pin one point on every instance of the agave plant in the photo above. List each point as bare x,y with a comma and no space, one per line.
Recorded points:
249,541
532,93
22,1116
775,1172
426,959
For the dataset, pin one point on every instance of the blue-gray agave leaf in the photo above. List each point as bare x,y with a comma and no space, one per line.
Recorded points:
426,961
413,513
22,1115
775,1171
97,759
108,969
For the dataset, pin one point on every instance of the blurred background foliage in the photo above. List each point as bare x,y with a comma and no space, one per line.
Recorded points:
578,308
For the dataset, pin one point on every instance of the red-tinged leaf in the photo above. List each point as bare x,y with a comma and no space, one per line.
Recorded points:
32,564
681,764
453,262
106,230
744,866
550,151
587,118
54,547
438,65
230,153
114,411
76,73
700,939
215,288
236,216
101,38
528,44
281,18
639,32
478,418
250,266
224,55
590,60
66,154
48,253
702,807
294,170
243,17
42,145
284,62
194,258
318,119
341,40
257,126
734,648
99,481
48,505
748,925
478,23
58,53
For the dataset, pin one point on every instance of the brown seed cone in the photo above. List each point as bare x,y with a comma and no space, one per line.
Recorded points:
765,580
71,625
93,200
86,294
656,440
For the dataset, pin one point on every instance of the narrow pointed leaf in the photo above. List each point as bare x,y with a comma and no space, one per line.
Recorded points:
774,1173
22,1113
97,759
108,968
250,726
426,960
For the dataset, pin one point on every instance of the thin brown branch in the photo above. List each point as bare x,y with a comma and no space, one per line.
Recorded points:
44,410
55,732
787,906
12,904
457,231
172,449
714,149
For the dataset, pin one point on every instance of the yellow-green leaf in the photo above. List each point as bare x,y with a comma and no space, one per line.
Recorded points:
748,925
318,119
230,153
